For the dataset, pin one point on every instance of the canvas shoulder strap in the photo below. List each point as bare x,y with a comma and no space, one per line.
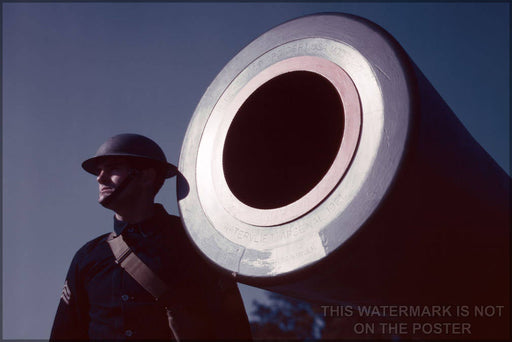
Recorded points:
135,267
139,271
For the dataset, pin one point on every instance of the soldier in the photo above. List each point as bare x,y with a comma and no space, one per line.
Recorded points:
145,280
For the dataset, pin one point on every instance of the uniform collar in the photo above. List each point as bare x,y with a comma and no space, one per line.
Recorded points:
146,228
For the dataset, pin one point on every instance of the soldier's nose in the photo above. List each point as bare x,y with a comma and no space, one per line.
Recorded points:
101,176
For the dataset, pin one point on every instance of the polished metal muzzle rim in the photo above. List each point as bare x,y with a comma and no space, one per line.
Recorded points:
368,75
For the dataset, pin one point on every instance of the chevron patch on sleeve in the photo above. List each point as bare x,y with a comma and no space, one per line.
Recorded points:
66,293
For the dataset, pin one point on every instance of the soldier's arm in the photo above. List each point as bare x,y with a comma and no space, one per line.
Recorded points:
71,319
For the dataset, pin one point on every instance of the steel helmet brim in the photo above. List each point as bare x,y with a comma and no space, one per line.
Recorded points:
91,165
133,147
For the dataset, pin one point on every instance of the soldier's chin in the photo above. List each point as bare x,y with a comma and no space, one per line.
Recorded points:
106,200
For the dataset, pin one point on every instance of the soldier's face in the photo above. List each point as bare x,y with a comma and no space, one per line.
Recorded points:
112,173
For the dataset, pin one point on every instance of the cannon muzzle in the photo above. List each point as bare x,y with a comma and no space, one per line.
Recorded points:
321,163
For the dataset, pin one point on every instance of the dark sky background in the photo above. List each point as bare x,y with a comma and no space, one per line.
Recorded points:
77,73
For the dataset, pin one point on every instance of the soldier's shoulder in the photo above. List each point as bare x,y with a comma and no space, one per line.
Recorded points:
89,246
94,242
173,226
173,220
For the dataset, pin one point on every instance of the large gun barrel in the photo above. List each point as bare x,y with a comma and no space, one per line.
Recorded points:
321,163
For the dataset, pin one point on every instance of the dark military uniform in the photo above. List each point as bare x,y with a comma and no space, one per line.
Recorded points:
101,301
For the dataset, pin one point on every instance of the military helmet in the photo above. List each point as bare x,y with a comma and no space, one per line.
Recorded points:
134,146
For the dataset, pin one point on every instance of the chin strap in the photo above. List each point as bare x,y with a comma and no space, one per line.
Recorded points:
132,174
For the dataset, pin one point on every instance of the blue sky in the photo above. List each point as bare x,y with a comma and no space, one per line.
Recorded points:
77,73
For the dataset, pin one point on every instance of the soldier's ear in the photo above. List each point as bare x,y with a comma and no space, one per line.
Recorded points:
148,176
